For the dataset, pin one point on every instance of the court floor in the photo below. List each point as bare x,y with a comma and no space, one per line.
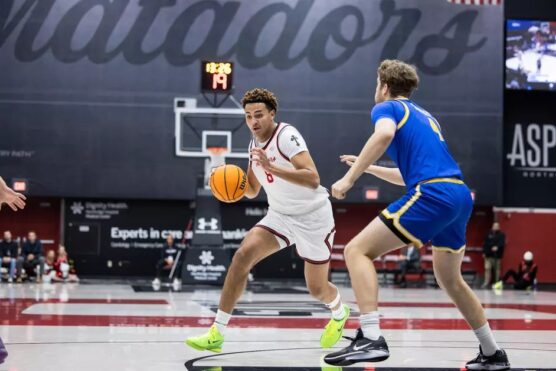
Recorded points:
123,326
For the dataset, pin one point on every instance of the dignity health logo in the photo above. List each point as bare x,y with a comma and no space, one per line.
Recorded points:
532,150
77,208
206,257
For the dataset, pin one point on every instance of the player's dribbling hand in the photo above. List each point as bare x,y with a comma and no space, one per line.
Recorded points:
349,160
13,199
340,188
259,155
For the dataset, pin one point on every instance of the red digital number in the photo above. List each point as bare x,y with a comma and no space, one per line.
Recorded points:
220,79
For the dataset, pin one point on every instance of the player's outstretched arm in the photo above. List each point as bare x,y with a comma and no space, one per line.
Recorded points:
389,174
13,199
254,185
385,129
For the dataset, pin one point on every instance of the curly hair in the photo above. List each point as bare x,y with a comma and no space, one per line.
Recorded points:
259,95
400,77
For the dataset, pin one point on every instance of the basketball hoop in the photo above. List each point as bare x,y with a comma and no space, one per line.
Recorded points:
217,158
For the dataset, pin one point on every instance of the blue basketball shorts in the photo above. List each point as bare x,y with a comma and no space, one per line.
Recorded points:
436,210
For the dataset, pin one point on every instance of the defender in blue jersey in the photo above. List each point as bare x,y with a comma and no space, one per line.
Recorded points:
435,209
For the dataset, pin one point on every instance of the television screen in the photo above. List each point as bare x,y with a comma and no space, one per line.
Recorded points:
530,55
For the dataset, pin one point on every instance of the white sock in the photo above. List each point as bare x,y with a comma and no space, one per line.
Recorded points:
221,320
486,338
339,313
370,325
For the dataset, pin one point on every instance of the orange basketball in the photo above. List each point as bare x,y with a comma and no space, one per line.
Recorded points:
228,183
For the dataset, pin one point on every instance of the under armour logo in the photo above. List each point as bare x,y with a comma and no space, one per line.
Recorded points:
294,139
206,257
202,223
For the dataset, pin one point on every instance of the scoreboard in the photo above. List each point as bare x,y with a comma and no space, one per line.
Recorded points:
217,76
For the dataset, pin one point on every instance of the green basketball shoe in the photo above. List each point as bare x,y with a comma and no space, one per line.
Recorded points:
333,330
212,340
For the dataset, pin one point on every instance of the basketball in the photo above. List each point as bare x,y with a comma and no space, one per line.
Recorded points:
228,183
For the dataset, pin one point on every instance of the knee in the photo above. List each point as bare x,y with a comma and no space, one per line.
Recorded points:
450,282
351,253
244,258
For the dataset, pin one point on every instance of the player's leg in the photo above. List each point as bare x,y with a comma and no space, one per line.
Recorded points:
314,237
447,270
316,276
448,252
258,244
413,218
374,240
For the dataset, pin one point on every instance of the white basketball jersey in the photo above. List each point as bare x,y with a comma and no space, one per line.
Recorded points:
283,196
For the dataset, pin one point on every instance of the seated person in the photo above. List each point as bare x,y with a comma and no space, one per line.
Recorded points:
31,257
49,271
65,267
525,276
8,255
167,260
409,261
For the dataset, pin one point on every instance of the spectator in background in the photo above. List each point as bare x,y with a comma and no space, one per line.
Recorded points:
49,272
493,250
525,276
167,260
31,257
65,267
409,260
8,254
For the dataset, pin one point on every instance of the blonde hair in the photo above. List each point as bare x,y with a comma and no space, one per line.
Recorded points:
401,78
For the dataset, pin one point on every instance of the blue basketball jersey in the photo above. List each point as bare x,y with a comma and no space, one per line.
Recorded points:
418,148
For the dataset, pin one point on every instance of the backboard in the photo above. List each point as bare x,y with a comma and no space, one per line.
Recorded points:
199,128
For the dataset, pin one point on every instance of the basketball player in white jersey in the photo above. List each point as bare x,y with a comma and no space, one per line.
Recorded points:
299,213
15,201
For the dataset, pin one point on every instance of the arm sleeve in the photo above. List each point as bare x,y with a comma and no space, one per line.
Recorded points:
383,110
290,142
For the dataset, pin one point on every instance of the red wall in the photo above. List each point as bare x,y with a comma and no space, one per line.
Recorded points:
532,231
41,215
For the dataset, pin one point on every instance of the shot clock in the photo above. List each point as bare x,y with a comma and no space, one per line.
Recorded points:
217,76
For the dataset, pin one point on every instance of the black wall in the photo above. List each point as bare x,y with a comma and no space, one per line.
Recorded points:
114,237
87,86
530,129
